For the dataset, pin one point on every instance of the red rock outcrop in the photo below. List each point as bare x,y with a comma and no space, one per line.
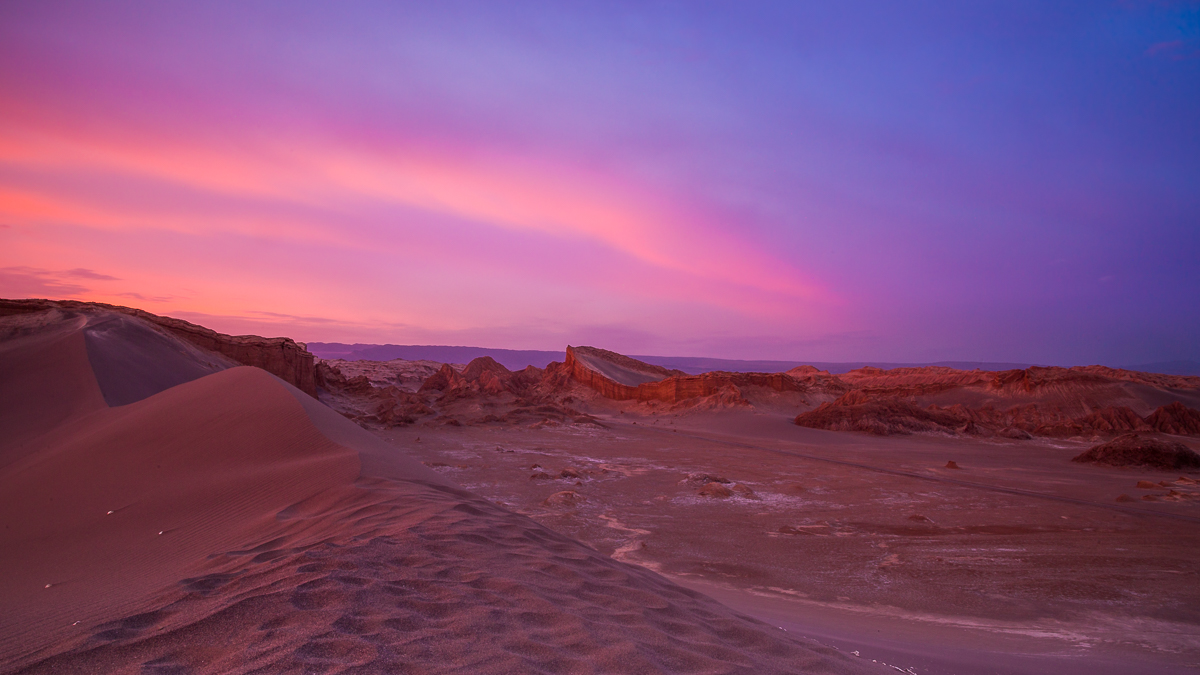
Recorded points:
1138,450
866,410
482,375
280,356
1118,419
900,378
1042,378
613,375
681,388
616,377
445,379
485,364
527,381
407,375
715,490
882,417
360,400
1176,419
1060,402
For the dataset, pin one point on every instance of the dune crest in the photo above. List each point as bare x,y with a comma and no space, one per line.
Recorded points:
280,356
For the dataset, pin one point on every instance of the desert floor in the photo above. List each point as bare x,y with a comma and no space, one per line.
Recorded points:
1018,561
162,513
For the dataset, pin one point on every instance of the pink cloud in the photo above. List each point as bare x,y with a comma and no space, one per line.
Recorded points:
600,235
32,282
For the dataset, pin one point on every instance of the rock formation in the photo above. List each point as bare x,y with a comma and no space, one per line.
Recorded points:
857,411
280,356
1057,402
715,490
622,378
1114,419
1014,404
361,400
484,376
566,498
1175,419
1140,450
446,379
407,375
613,375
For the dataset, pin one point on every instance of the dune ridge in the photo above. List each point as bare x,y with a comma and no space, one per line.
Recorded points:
280,356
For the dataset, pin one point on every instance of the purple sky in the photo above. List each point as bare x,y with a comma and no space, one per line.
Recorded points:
815,181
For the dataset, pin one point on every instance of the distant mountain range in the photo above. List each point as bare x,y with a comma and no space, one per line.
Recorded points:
515,359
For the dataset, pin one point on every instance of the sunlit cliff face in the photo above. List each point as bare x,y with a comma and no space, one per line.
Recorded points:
760,183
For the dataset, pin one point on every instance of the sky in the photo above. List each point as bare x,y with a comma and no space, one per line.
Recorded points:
905,182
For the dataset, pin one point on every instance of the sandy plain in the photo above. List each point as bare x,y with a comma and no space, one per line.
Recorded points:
1018,561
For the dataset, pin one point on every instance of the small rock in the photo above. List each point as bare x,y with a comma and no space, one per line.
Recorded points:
569,472
1149,498
717,490
743,490
541,475
1147,485
1125,498
918,518
564,498
705,479
952,465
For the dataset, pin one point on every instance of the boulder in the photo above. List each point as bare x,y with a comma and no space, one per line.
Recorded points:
742,490
715,490
566,498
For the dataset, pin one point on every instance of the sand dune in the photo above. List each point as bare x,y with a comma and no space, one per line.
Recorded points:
230,523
